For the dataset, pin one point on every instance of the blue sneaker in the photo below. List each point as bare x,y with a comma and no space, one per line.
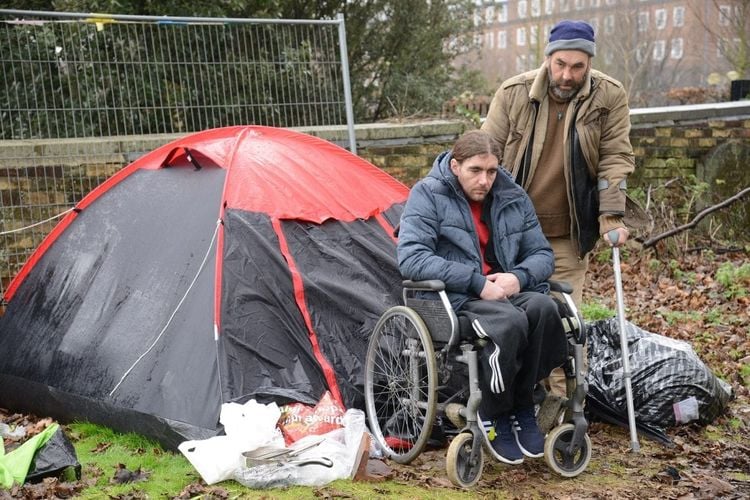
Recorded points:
499,440
529,438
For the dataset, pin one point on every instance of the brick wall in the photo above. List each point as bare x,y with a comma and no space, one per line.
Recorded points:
709,141
683,140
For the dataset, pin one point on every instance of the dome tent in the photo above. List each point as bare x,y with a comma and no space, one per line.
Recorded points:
232,264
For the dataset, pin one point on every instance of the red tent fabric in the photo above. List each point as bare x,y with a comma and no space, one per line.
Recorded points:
235,263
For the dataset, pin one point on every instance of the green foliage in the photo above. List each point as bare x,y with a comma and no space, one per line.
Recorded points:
674,267
595,312
745,373
400,58
735,280
654,265
401,55
604,255
676,317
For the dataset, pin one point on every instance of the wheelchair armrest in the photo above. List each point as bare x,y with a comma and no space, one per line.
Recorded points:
427,285
560,286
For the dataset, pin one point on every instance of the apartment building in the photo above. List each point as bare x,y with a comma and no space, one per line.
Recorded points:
652,46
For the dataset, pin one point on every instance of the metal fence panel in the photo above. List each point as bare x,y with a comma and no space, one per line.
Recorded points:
82,96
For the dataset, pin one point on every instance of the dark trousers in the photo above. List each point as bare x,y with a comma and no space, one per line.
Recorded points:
527,341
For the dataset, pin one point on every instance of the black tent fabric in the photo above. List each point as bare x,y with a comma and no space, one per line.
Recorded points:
233,264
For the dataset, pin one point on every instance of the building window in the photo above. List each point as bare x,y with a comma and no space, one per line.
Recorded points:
608,57
549,6
547,29
523,9
520,63
564,5
580,4
534,36
521,37
609,24
659,49
725,15
678,17
660,19
594,22
489,39
676,51
489,15
643,21
640,53
502,13
536,8
502,40
596,3
611,2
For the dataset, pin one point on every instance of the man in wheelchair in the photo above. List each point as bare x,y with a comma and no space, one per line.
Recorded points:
468,224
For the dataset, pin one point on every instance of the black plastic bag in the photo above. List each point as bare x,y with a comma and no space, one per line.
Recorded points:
671,385
53,458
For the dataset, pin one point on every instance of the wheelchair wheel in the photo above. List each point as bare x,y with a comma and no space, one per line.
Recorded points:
461,471
556,451
401,384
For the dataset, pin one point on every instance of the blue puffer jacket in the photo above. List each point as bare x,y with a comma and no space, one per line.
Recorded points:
437,238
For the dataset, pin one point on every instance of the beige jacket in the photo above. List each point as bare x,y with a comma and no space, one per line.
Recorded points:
602,123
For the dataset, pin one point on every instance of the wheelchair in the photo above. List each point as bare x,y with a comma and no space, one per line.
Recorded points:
415,351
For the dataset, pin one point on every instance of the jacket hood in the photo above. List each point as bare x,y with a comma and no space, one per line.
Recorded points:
441,170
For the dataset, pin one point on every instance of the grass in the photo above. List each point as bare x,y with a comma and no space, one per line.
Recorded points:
735,280
166,474
100,450
593,311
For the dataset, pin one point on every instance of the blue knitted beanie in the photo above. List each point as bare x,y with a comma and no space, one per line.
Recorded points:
571,35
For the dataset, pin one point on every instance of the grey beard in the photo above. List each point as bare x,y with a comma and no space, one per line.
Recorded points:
563,95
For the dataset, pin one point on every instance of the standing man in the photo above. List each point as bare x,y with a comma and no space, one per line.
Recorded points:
469,225
564,130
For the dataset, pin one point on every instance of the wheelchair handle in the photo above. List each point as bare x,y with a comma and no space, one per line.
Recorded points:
429,285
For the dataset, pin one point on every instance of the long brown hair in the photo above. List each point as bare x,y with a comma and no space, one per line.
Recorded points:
473,143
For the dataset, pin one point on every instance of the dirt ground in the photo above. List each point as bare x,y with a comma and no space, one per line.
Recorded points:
703,462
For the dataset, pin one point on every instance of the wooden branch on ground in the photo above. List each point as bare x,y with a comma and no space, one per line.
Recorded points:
652,241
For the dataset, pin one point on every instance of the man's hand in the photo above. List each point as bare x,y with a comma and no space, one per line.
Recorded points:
622,236
500,286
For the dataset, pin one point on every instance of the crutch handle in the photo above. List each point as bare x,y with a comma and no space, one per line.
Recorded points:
613,236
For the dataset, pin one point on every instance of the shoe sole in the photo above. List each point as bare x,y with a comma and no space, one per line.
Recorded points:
491,450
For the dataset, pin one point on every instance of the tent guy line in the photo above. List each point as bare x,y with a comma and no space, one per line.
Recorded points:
171,317
19,229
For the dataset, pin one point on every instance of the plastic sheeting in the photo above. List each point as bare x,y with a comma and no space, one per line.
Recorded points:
57,455
671,385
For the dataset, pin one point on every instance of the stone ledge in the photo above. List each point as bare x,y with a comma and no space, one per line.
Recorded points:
640,117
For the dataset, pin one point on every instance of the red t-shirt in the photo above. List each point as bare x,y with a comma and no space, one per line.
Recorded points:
482,231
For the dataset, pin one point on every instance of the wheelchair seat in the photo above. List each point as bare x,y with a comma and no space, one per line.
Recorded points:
413,352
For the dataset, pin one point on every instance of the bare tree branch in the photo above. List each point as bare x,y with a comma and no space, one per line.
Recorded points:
652,241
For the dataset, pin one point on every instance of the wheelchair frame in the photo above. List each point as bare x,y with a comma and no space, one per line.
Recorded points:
404,374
